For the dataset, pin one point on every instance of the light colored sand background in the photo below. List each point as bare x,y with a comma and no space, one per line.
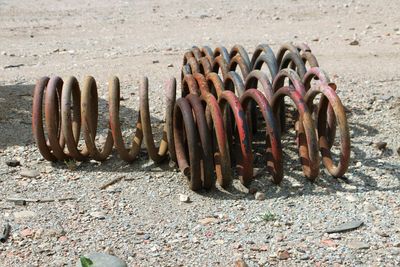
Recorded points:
103,38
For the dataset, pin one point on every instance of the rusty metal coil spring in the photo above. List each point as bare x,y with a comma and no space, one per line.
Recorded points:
217,97
64,129
212,126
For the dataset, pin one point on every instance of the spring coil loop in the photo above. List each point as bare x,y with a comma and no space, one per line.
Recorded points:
214,123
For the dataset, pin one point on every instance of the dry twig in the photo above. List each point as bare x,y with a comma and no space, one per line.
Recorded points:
113,181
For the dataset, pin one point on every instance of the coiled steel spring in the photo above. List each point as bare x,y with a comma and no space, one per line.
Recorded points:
64,129
213,124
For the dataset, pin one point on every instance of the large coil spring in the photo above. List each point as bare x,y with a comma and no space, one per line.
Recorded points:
64,128
213,77
214,123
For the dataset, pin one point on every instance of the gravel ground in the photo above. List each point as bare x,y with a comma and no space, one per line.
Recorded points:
141,218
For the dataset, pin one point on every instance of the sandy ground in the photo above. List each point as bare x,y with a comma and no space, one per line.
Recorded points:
142,220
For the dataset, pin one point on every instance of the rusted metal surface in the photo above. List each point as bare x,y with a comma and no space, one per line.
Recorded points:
261,85
273,141
63,129
212,127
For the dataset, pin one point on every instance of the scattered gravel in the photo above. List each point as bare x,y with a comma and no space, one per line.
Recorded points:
141,219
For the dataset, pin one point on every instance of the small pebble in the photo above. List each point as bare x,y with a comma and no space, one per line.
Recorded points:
240,263
335,236
259,196
369,207
208,220
27,232
355,42
381,233
345,227
304,257
184,198
103,260
357,245
25,214
13,163
98,215
381,145
328,243
283,255
29,173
